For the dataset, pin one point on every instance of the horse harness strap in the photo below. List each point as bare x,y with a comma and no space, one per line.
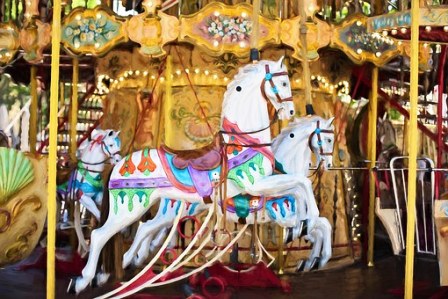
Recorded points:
317,132
268,78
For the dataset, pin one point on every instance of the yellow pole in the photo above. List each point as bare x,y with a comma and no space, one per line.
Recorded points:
74,110
33,111
373,110
412,146
169,127
306,76
52,156
255,25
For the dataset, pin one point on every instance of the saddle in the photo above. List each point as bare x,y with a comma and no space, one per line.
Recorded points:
204,158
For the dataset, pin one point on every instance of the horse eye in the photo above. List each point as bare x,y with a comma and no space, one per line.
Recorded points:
329,140
111,145
284,84
238,88
291,135
111,133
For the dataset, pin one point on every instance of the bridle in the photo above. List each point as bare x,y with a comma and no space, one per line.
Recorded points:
268,78
106,152
317,132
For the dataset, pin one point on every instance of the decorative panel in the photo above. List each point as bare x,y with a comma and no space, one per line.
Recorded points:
219,28
353,38
9,42
92,31
34,38
317,36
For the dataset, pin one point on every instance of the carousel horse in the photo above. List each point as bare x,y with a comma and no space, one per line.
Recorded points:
151,234
142,178
85,182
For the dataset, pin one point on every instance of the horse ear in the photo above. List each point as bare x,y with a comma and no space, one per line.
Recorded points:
118,133
280,62
330,121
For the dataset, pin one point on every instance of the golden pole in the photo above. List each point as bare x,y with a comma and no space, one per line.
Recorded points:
412,147
306,76
255,25
33,110
52,156
169,128
74,110
373,110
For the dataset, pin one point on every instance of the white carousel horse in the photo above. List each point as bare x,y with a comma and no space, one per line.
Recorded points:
162,173
86,183
306,134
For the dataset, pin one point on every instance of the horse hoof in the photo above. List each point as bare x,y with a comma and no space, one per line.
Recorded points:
300,266
315,265
71,289
100,279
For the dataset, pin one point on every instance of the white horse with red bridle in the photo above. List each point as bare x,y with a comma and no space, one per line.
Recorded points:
144,177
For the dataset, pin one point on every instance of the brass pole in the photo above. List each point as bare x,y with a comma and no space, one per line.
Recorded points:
412,147
373,111
74,110
33,111
52,156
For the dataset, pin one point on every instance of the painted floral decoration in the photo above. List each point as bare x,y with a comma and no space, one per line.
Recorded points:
228,29
91,31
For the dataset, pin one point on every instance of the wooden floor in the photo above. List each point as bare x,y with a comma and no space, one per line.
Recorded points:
355,281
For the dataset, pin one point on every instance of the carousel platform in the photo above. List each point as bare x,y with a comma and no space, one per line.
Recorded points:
385,280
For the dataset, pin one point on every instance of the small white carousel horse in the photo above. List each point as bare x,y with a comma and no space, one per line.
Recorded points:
142,178
86,183
303,136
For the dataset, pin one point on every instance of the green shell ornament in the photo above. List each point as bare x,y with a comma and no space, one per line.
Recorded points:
16,171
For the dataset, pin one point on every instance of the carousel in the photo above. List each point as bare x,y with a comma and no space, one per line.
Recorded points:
217,149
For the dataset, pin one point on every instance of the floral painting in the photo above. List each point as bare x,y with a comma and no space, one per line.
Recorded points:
227,29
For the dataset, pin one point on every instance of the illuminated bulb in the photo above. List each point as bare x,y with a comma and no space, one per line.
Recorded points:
97,45
403,30
428,28
378,54
126,74
98,16
78,18
130,73
313,77
242,44
137,72
445,28
215,43
178,72
196,71
359,51
359,23
162,79
400,42
385,33
121,79
425,45
226,79
153,77
206,72
244,14
187,71
215,76
7,54
394,31
145,73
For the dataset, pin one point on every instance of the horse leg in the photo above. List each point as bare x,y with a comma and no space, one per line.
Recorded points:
98,239
145,232
146,246
325,227
90,205
315,236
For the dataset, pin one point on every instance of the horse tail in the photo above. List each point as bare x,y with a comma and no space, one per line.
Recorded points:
78,229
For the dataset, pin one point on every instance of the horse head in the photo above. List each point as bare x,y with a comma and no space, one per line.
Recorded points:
321,142
111,146
276,88
293,146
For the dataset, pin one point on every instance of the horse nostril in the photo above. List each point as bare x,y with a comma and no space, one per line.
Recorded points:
329,165
291,112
